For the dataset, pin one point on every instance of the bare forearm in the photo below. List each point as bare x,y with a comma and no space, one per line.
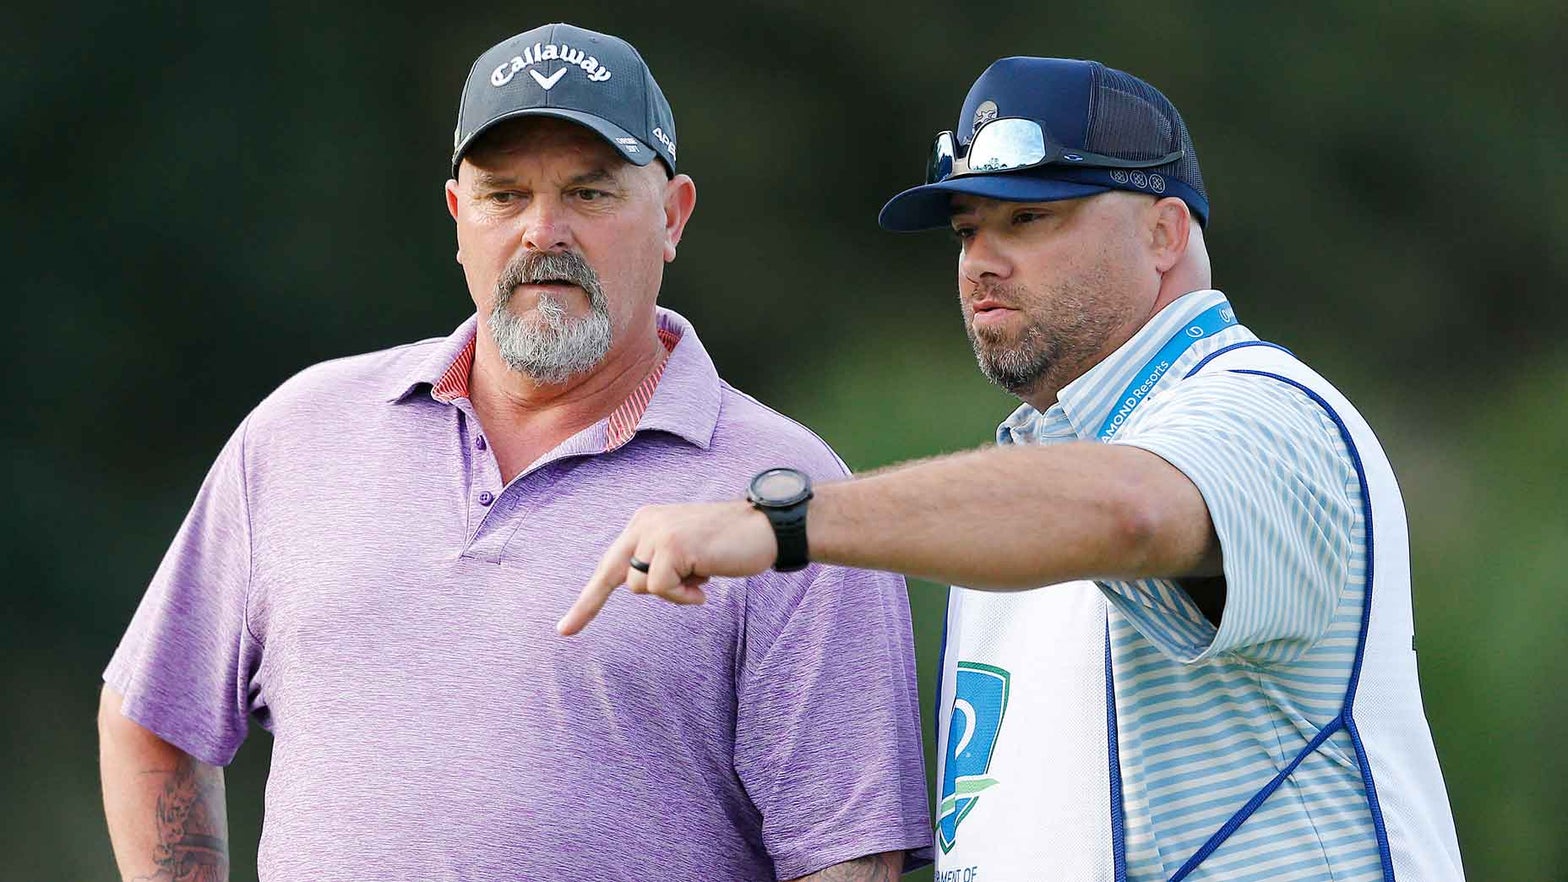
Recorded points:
1009,518
1004,519
166,812
871,868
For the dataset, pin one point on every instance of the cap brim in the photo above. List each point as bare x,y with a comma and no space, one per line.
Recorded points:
929,206
629,146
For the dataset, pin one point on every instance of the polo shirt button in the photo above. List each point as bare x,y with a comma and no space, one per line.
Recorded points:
486,497
479,442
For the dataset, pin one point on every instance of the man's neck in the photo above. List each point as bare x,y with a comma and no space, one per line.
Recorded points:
524,419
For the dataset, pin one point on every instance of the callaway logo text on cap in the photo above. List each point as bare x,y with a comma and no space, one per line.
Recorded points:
596,80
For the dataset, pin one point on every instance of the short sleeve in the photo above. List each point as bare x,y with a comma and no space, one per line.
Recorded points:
828,739
186,662
1283,495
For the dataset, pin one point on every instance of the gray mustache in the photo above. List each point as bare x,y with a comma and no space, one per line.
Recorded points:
548,266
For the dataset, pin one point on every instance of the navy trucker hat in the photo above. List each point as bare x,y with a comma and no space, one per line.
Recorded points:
570,73
1081,105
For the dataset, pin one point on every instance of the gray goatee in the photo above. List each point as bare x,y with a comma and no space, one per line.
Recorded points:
550,346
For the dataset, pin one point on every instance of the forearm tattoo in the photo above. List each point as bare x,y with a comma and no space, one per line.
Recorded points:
884,867
192,827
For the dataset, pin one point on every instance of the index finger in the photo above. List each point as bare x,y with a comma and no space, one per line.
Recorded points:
608,577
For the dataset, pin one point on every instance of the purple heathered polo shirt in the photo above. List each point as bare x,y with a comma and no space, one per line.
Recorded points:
341,578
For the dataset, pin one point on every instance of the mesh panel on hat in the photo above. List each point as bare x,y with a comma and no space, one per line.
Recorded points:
1130,119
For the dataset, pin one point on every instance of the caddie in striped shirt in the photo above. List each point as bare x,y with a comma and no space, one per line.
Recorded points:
1217,679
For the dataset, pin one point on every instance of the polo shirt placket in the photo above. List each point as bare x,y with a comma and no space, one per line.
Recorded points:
497,510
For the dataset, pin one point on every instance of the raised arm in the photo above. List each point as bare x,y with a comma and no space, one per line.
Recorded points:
1000,518
167,817
1006,518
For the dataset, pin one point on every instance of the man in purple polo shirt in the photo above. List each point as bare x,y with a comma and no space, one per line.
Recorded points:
374,565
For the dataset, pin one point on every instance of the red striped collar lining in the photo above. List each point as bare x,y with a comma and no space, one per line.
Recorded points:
623,420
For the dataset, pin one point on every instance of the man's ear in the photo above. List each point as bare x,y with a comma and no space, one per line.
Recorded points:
451,208
680,199
1171,222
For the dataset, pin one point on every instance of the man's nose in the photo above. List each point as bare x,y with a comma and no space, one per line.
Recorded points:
981,258
545,227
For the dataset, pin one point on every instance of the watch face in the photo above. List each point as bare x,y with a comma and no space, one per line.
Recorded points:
779,487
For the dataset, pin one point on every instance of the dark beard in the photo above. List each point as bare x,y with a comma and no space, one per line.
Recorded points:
1055,348
1018,368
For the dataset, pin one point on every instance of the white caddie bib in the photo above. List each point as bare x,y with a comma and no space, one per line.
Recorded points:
1022,686
1028,785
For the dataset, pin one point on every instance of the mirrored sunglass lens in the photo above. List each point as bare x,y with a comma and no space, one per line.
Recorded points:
940,164
1006,144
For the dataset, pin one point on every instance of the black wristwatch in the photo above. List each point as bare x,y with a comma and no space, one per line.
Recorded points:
782,494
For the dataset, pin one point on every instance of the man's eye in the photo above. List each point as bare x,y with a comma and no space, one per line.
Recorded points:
502,197
591,195
1024,217
963,234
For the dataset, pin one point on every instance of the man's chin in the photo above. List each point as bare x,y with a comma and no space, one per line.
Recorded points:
993,348
1015,384
1009,368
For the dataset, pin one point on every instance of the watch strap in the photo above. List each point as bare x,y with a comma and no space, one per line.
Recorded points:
789,528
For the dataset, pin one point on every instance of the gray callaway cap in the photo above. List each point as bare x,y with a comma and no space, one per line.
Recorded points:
567,72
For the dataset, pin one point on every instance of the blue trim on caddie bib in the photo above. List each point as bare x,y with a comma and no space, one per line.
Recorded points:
1118,818
1224,349
1345,719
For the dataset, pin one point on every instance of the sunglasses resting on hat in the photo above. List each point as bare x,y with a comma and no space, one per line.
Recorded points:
1015,144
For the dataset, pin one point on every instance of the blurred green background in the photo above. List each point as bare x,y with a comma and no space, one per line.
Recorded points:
202,199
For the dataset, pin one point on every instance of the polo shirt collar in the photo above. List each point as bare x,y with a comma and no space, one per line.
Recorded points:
443,357
1084,404
683,397
686,402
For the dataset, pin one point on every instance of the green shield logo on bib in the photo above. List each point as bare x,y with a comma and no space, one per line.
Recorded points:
979,703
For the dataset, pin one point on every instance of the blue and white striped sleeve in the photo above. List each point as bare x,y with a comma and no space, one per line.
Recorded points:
1284,498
